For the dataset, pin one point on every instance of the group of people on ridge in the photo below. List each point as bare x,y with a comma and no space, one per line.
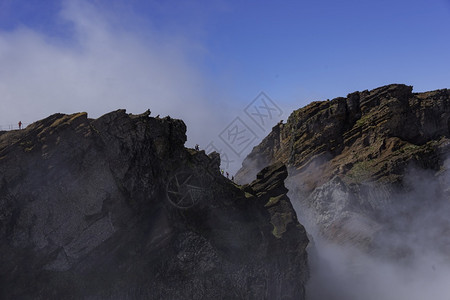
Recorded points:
197,148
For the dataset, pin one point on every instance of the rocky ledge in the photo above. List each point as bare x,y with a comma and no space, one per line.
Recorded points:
369,135
118,208
350,160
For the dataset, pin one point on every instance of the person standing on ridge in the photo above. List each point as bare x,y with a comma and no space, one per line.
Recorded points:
20,124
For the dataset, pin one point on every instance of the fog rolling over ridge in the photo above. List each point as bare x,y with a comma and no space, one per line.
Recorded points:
128,165
118,208
369,179
408,257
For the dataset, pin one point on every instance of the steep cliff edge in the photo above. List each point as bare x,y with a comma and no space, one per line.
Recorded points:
118,208
349,159
367,135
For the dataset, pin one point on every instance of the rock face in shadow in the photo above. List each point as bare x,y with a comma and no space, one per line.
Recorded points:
347,158
118,208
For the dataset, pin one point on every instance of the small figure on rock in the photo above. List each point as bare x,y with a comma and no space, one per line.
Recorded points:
197,147
20,124
232,178
221,171
228,175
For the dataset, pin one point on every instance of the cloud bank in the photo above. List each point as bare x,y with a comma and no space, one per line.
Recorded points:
102,63
410,260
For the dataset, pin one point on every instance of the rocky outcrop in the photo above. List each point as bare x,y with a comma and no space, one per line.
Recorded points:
347,157
118,208
367,135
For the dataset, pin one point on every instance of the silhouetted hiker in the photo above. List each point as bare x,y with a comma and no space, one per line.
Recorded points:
196,147
232,178
20,124
228,174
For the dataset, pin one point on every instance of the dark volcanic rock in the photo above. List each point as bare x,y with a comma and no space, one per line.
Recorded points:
118,208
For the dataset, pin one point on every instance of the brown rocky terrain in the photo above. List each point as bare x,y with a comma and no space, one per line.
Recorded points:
349,159
118,208
369,135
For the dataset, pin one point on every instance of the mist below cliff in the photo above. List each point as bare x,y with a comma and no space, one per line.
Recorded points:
346,273
408,256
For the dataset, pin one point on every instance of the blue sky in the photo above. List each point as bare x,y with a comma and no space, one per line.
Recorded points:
205,61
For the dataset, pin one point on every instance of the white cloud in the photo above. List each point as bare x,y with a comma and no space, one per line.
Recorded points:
409,258
106,58
103,66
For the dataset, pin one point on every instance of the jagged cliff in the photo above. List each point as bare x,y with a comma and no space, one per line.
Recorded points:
367,135
118,208
349,159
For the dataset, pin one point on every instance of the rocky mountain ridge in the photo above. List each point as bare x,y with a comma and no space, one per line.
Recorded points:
389,123
350,159
118,208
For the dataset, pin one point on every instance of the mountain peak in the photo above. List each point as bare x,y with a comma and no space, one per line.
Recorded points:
117,208
385,128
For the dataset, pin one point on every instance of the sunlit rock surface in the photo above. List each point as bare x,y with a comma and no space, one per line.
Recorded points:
359,164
